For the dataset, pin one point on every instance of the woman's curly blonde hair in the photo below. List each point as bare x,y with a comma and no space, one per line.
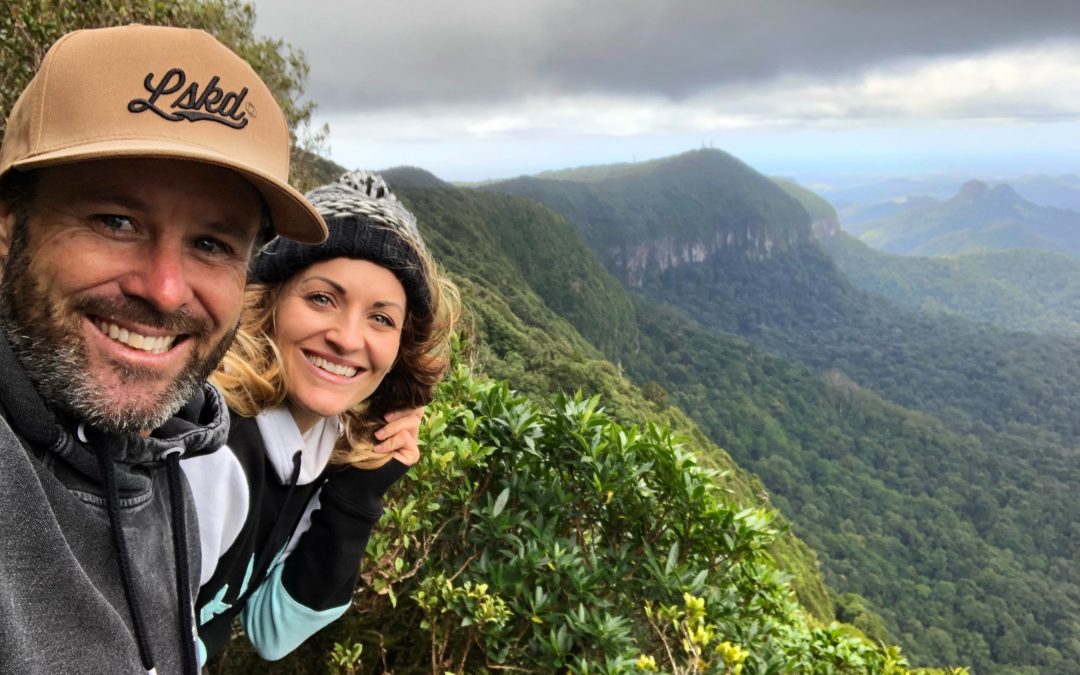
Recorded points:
252,375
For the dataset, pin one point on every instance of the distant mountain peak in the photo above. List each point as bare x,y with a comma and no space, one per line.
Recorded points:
1005,193
976,192
973,190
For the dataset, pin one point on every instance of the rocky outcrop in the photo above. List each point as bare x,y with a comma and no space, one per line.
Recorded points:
632,262
825,227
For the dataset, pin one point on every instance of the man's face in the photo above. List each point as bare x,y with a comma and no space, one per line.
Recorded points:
124,282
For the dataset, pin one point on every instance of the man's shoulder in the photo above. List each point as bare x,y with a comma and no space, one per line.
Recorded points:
9,440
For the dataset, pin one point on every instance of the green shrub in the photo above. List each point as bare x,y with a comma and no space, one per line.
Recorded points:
555,540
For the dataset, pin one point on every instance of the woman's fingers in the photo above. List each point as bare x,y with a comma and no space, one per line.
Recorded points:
399,435
401,446
408,425
401,420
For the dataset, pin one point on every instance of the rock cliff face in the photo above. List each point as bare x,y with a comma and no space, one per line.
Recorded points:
631,262
825,227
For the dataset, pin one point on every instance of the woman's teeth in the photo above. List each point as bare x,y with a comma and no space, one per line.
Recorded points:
154,345
318,361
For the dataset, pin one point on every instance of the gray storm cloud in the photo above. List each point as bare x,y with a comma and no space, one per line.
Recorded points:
381,53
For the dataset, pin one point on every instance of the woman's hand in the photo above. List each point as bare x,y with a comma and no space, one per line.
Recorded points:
399,435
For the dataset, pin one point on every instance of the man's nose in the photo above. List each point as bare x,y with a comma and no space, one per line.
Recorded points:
159,276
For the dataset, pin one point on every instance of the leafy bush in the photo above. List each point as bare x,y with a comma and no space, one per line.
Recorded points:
555,540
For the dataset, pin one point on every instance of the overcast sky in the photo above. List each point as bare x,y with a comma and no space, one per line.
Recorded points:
826,91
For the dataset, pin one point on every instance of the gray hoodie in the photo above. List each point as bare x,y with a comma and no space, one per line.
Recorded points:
63,603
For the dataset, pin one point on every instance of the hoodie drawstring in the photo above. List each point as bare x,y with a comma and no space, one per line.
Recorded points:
189,659
112,500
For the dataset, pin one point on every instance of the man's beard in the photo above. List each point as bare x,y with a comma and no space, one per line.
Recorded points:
45,333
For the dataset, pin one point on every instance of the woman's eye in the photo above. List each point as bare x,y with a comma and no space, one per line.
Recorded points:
320,299
384,320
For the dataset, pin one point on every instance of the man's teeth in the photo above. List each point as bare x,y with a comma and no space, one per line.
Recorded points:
344,371
154,345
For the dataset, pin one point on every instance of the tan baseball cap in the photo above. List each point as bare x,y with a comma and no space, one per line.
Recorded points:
155,91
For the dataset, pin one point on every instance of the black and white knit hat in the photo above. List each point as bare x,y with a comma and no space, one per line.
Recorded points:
366,221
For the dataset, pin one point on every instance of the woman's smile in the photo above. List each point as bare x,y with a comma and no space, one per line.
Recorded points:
338,327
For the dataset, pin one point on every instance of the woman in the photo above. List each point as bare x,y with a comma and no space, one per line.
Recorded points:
340,345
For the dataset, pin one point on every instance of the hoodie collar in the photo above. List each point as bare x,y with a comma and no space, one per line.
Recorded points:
201,426
282,440
25,411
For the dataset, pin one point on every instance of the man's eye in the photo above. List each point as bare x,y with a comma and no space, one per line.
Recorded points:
116,223
212,246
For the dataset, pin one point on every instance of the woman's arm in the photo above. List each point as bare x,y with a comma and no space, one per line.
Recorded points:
313,585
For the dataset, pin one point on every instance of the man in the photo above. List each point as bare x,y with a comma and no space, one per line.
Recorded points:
138,169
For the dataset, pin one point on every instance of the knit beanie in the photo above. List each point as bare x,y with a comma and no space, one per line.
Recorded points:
365,221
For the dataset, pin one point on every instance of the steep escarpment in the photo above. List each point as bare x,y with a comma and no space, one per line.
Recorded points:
824,221
644,219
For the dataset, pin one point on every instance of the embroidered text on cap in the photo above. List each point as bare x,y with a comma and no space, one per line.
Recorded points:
213,104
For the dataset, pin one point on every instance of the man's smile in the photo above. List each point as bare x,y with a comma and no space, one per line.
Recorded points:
155,344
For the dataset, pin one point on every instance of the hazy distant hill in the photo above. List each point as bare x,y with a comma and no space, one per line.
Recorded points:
978,218
1002,400
1022,290
890,190
1062,192
857,218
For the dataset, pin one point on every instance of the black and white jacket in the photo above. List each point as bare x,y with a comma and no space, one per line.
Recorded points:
281,534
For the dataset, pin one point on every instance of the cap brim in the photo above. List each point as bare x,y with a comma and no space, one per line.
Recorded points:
293,217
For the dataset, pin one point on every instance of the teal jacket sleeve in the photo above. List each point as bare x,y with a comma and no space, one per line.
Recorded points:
313,585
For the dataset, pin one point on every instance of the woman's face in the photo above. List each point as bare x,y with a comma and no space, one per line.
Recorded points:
338,326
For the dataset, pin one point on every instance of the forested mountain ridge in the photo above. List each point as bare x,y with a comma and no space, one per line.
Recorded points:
616,211
1008,399
1019,290
977,218
823,218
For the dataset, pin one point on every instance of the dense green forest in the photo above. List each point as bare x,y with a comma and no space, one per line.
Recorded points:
914,510
951,537
1020,290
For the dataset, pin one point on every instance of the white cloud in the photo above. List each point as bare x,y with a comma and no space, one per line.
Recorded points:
1030,84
